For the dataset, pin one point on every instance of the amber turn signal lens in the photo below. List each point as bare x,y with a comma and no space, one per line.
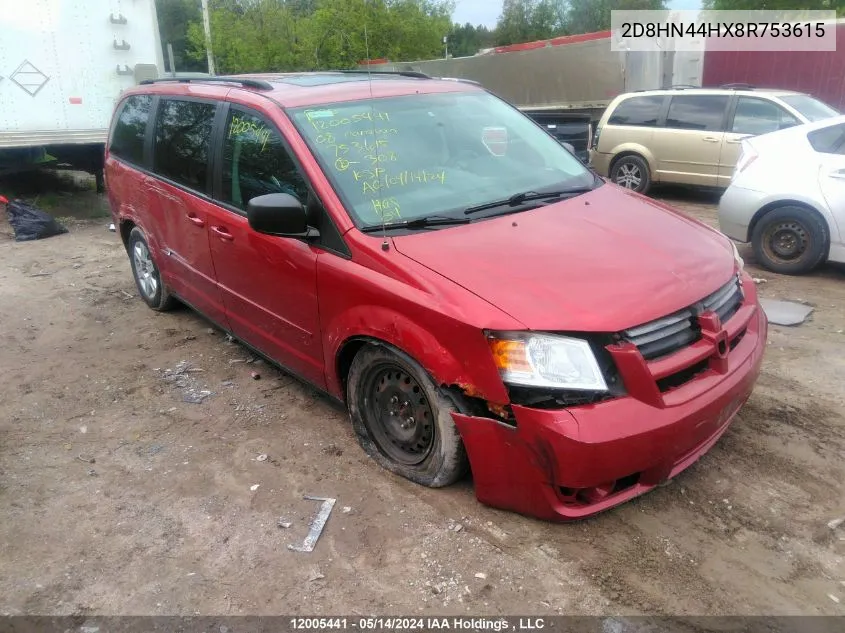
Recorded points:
510,356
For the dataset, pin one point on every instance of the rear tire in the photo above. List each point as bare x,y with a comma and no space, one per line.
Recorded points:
631,172
402,420
145,271
790,240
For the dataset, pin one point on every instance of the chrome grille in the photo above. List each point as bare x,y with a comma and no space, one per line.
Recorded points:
668,334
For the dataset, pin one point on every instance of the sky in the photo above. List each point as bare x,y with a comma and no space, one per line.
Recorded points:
486,12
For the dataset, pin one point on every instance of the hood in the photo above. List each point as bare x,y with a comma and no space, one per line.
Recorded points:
604,261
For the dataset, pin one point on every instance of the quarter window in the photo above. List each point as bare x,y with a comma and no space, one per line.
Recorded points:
828,140
697,112
256,162
758,116
182,139
127,139
643,111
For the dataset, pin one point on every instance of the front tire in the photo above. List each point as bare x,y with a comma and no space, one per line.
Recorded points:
790,240
402,420
146,273
631,172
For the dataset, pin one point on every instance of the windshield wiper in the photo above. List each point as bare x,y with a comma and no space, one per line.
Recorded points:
417,223
527,196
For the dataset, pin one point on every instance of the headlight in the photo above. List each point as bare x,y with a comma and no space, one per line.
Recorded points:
543,360
739,261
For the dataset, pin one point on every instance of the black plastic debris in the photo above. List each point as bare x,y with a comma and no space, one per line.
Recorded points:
29,222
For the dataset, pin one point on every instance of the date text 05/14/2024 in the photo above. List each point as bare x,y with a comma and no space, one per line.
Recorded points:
496,624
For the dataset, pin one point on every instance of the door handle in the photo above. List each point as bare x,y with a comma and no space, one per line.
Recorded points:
193,218
839,173
710,139
223,234
736,140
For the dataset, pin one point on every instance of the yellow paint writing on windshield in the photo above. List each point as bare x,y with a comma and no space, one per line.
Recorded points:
388,209
248,129
376,179
371,132
326,119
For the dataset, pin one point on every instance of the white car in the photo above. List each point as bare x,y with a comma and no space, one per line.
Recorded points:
787,197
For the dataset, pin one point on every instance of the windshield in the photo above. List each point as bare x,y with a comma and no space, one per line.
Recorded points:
401,158
812,109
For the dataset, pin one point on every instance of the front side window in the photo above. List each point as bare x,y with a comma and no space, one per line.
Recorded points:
182,138
256,162
759,116
697,112
643,111
401,158
828,140
127,139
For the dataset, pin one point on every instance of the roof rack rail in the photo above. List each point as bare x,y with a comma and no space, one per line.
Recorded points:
459,80
739,86
682,86
403,73
258,84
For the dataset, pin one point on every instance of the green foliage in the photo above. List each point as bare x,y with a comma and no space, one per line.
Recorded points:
526,20
279,35
776,5
467,40
587,16
173,19
287,35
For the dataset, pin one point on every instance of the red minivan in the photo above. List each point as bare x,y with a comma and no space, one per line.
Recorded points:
432,258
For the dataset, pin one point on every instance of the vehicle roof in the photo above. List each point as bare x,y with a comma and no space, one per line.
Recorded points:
769,92
309,88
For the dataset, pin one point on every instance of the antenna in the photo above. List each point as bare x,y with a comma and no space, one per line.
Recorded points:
385,245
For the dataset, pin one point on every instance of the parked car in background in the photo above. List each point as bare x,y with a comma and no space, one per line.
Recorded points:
787,197
431,258
690,136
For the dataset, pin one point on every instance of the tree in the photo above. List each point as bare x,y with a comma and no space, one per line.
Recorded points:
467,40
287,35
776,5
249,36
588,16
173,19
527,20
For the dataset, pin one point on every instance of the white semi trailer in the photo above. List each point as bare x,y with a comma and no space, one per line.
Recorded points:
63,64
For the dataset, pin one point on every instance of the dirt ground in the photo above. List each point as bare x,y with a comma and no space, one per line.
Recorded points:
118,496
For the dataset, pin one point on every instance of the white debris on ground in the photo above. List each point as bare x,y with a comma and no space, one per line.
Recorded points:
182,378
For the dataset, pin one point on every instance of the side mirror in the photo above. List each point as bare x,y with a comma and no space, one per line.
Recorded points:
278,214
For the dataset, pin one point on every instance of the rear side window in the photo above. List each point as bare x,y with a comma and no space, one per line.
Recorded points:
182,138
758,116
697,112
643,111
127,139
828,140
255,161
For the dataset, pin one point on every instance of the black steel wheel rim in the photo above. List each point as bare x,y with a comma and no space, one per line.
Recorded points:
786,241
398,415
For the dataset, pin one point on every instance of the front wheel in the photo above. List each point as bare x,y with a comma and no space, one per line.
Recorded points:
632,173
790,240
402,420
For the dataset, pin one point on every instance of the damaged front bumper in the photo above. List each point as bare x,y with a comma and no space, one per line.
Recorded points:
567,464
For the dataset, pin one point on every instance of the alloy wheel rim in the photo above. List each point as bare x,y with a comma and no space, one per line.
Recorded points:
145,271
629,176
